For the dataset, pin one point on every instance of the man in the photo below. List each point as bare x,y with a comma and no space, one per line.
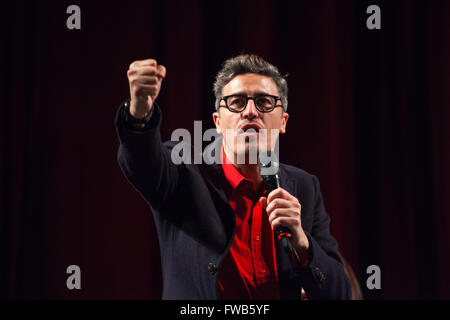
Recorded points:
215,222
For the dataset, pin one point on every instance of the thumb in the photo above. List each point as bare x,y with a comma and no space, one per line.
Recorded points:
263,201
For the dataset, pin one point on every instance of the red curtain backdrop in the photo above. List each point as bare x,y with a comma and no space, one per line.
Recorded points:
369,115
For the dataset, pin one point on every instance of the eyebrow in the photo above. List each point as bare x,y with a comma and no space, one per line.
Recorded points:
257,93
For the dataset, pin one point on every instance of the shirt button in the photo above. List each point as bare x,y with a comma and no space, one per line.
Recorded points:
319,275
212,268
257,238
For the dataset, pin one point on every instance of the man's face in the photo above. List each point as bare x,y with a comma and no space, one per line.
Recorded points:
233,125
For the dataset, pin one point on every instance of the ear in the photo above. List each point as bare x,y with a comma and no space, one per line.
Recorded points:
216,119
284,120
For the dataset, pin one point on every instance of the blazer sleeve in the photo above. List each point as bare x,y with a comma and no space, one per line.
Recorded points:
145,160
324,277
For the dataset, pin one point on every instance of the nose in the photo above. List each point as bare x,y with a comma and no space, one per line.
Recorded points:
250,111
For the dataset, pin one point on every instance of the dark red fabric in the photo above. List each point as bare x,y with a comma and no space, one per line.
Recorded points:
249,269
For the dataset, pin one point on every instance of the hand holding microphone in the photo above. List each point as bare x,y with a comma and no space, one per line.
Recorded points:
283,209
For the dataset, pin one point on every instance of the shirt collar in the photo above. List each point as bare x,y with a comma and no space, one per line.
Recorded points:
233,176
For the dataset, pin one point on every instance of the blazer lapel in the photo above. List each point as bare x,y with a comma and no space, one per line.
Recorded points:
285,182
212,170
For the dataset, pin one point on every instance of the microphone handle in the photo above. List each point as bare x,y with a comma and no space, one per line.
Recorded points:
271,183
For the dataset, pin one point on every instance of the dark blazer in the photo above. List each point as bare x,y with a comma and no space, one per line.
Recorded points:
196,225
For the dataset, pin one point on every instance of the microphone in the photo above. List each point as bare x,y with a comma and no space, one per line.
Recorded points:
268,169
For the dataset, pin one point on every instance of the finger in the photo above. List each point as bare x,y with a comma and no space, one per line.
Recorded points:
287,222
147,71
136,73
277,213
161,71
142,81
279,193
149,62
147,80
280,203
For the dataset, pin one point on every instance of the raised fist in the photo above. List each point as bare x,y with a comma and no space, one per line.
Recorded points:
145,78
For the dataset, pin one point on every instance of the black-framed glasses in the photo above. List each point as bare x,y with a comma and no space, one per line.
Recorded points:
263,102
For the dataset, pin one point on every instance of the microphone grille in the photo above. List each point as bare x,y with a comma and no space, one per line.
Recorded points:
268,163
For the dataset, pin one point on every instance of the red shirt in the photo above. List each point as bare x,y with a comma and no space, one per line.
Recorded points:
249,269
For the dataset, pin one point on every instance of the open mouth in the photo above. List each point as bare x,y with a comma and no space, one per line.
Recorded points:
249,129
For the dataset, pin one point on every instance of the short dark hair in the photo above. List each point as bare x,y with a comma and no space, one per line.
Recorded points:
249,63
